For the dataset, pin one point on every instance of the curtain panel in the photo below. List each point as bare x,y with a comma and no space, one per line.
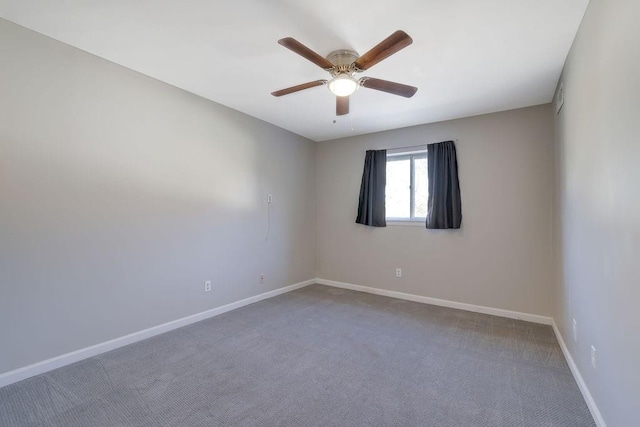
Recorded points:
371,209
444,209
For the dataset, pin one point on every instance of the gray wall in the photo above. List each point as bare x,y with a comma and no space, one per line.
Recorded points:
598,221
500,258
120,195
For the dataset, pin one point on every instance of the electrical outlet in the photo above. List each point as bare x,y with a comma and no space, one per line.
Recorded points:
261,279
575,330
593,357
269,198
398,272
207,285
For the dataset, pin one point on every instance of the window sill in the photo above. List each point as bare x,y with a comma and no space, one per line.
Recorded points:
409,223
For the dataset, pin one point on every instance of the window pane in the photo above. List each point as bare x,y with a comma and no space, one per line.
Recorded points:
398,188
421,180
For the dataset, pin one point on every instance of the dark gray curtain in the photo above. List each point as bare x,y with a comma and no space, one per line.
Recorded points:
371,209
445,208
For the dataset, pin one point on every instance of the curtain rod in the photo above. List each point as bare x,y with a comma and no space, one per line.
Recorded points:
416,146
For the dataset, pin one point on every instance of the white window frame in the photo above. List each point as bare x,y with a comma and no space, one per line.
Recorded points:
411,154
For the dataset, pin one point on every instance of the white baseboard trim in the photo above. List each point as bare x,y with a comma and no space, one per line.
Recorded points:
75,356
20,374
545,320
588,398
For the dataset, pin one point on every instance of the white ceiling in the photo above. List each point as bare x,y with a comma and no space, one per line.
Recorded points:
468,57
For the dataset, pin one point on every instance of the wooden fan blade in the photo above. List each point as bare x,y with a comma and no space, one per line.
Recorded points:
392,44
297,88
389,87
297,47
342,105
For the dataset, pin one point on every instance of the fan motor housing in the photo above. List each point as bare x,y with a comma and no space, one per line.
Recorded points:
342,60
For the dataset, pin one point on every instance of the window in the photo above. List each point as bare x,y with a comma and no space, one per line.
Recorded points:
407,186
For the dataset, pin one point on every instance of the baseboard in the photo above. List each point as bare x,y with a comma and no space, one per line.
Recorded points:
545,320
20,374
441,302
588,398
75,356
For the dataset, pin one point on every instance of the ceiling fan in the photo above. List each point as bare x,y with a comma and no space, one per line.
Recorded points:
344,63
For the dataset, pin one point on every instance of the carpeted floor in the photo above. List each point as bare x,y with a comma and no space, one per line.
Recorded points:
317,356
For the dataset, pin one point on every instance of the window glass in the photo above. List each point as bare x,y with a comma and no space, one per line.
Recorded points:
398,190
407,190
421,183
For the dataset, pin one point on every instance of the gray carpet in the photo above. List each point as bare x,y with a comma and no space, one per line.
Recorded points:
317,356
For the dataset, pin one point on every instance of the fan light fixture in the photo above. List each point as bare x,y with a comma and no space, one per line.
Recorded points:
343,85
342,64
